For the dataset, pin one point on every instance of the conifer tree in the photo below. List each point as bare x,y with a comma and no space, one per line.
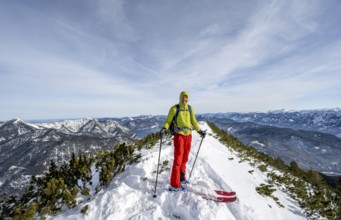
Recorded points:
84,169
279,163
8,206
56,194
294,169
337,198
30,211
315,178
53,170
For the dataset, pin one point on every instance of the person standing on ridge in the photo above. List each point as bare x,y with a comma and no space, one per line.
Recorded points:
184,119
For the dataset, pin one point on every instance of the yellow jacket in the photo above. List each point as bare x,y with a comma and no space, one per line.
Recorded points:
185,119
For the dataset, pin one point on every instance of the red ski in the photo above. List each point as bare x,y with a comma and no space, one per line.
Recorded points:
225,193
220,199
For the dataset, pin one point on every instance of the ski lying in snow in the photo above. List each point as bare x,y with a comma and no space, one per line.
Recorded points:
216,192
220,199
223,196
216,195
205,192
225,193
226,198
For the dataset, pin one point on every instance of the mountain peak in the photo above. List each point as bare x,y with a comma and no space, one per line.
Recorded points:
15,121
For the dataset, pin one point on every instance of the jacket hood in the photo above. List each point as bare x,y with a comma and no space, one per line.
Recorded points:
182,94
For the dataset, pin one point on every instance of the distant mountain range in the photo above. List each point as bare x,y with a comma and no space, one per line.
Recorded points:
26,149
310,149
325,120
143,125
311,138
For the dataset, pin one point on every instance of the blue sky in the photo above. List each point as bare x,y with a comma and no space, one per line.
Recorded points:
113,58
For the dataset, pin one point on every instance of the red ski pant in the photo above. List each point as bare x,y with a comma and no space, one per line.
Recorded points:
182,147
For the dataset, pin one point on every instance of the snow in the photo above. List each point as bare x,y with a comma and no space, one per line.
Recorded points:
129,196
21,182
87,125
17,120
16,168
34,126
331,173
22,130
72,125
258,143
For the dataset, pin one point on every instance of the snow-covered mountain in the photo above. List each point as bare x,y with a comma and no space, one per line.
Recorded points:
310,149
324,120
143,125
130,195
26,149
104,128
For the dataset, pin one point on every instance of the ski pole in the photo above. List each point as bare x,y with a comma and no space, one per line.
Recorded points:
196,157
158,163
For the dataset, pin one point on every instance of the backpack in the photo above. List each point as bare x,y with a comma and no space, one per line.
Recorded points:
173,124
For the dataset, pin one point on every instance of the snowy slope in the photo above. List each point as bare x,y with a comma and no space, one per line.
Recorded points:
130,195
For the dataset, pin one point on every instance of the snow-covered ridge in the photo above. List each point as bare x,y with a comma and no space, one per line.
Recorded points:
18,122
71,125
129,196
86,125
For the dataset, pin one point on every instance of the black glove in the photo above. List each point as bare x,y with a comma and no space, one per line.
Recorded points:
202,133
163,131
